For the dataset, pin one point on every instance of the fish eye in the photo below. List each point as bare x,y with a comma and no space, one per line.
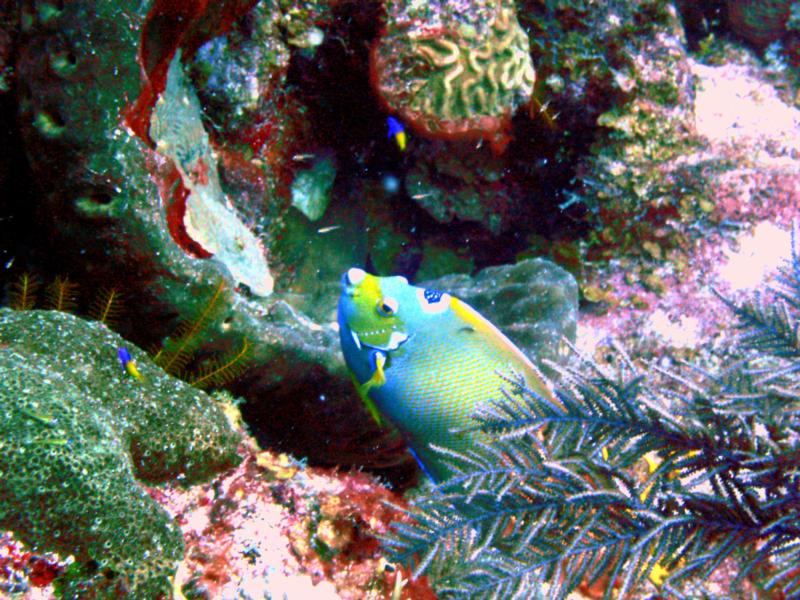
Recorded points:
387,306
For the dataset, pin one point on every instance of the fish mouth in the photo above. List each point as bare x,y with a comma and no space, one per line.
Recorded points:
385,339
367,338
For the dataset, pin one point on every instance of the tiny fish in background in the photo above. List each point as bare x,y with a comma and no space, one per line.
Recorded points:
127,363
396,131
424,361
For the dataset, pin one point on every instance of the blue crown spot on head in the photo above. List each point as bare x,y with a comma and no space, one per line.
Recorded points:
432,296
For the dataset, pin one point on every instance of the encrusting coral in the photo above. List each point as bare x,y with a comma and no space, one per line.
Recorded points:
78,434
454,76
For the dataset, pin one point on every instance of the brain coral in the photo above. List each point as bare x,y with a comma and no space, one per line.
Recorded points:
76,437
453,73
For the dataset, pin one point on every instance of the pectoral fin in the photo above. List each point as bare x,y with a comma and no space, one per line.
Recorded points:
377,379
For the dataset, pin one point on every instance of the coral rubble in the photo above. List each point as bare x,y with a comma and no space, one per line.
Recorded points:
275,526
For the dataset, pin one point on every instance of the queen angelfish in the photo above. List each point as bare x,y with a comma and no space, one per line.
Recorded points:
424,361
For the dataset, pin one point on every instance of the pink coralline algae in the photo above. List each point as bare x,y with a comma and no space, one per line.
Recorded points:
453,73
21,569
271,528
274,526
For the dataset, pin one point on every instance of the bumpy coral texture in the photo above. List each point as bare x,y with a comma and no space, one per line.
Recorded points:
76,433
451,80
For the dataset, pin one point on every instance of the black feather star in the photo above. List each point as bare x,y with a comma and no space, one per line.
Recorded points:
629,483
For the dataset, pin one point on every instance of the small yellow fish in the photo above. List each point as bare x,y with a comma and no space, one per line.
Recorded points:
424,361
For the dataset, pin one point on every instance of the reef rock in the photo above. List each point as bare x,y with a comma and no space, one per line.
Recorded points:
620,72
204,220
466,186
238,73
759,22
109,201
311,188
79,436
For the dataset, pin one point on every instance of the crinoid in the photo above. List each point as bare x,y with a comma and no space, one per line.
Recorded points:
22,295
178,351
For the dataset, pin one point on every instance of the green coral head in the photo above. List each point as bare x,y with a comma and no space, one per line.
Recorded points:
369,311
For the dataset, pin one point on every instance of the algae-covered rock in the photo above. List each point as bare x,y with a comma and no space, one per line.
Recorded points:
78,434
620,72
109,212
467,185
237,74
439,260
97,188
534,302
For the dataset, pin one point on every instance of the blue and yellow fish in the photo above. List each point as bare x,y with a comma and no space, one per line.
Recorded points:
397,131
128,365
423,360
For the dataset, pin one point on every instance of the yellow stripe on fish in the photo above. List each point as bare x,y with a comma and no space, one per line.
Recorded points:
424,361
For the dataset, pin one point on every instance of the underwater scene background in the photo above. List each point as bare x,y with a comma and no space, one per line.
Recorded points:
603,195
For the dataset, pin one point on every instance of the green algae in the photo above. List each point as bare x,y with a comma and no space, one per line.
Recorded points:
438,261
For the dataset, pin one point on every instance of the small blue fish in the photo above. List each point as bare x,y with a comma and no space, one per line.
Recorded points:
396,131
127,363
